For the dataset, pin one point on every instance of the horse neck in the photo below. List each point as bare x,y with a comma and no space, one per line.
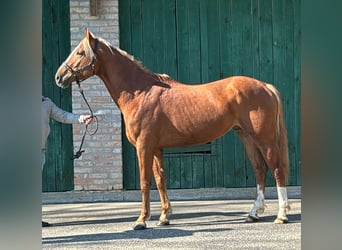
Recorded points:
123,77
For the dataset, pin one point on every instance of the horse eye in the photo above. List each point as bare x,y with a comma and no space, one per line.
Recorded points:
80,53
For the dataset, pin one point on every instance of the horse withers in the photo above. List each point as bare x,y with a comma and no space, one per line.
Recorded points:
160,112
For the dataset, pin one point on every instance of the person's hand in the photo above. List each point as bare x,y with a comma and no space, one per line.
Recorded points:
87,119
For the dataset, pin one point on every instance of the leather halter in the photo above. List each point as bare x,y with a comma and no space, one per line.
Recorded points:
75,73
91,65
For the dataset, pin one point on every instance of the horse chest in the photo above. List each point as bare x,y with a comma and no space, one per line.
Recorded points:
140,122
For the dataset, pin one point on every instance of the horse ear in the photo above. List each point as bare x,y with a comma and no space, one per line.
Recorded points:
87,33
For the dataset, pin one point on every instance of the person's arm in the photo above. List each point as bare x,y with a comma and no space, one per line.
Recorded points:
63,116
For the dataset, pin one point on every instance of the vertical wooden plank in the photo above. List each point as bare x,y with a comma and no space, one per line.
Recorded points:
150,36
204,45
227,64
214,162
209,44
130,169
288,86
283,61
46,44
197,171
188,41
210,68
194,60
241,54
130,166
182,39
226,36
174,164
208,166
240,162
213,41
66,168
136,30
265,41
296,163
125,25
228,155
255,49
169,58
241,37
186,171
291,88
253,70
157,7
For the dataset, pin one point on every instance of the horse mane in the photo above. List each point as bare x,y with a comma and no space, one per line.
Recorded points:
124,54
159,78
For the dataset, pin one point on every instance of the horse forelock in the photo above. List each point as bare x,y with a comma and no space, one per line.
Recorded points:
89,51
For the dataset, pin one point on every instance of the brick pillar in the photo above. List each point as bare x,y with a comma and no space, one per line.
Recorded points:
100,166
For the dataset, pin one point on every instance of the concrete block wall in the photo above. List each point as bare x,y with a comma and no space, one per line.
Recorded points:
100,166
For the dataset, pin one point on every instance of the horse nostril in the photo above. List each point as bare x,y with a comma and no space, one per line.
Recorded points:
57,78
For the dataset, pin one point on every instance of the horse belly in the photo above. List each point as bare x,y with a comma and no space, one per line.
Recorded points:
192,130
196,115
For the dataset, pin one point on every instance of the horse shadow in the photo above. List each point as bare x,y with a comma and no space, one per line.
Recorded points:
171,231
147,234
234,216
182,219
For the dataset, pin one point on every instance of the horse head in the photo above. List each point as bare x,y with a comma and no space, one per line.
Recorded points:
80,64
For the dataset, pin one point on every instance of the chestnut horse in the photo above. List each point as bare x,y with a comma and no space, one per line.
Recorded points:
160,112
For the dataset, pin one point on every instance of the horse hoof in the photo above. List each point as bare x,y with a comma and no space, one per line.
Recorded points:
250,219
163,223
140,226
281,221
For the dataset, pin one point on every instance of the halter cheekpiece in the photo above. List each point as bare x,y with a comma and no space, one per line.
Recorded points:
91,65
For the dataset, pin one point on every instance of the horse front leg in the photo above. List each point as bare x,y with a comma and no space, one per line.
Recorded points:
145,159
160,178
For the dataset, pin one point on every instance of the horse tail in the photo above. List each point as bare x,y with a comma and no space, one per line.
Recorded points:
281,133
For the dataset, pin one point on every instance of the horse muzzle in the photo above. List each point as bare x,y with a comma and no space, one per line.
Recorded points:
62,79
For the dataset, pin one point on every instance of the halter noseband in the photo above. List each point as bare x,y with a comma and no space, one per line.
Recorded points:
91,65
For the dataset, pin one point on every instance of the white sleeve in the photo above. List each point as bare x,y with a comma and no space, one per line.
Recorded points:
63,116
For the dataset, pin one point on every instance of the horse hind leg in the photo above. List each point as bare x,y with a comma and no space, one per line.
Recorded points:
259,166
160,178
262,156
278,163
277,157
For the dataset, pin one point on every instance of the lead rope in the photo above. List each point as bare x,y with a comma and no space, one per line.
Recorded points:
80,151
